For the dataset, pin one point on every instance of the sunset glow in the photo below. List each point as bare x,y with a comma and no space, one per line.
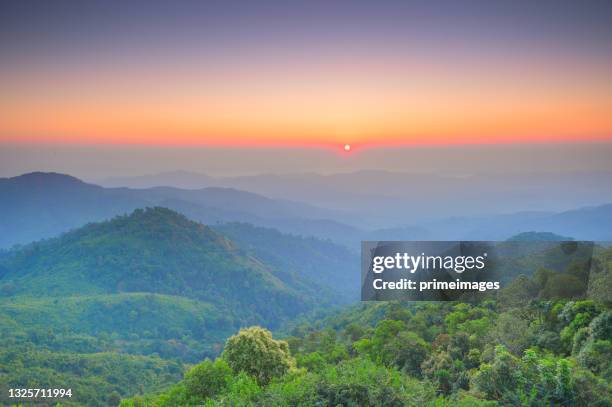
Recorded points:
313,81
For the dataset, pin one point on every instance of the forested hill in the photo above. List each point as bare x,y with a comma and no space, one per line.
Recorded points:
158,251
117,308
322,261
499,352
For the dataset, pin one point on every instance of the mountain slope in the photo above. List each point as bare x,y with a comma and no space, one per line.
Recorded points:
137,323
324,262
158,251
320,228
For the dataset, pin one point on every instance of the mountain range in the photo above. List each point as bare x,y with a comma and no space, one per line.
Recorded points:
118,289
384,199
587,223
43,205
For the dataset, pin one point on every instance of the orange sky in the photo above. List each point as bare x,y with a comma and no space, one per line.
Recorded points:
347,86
308,107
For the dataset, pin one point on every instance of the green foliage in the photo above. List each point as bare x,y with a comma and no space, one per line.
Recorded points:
207,379
596,357
137,323
360,382
512,331
536,380
505,351
601,326
322,261
157,250
392,345
311,361
574,317
386,363
354,382
95,379
254,352
153,286
563,286
242,391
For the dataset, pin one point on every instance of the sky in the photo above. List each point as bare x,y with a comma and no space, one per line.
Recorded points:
96,163
305,73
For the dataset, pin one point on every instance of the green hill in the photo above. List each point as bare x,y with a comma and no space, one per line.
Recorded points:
158,251
122,307
322,261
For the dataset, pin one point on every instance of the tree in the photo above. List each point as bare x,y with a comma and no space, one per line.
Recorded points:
595,356
601,326
410,352
513,332
500,377
208,378
254,352
437,368
393,345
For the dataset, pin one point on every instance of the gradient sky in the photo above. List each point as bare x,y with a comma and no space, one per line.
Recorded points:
98,162
305,74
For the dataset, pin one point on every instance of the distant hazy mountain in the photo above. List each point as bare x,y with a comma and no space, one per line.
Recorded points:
539,237
384,199
589,223
177,179
160,251
233,200
42,205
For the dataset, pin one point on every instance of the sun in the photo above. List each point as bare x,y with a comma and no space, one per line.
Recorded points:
347,147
